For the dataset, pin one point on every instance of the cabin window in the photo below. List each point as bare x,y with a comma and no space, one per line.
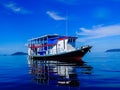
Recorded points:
69,40
45,48
73,40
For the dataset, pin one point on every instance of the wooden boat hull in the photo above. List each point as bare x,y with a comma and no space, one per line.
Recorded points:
67,57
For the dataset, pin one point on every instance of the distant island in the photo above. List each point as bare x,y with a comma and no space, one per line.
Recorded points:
113,50
3,54
19,53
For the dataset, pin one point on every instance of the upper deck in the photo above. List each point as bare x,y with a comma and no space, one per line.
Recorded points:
51,36
52,44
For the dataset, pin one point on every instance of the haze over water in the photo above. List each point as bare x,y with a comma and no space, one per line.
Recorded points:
101,71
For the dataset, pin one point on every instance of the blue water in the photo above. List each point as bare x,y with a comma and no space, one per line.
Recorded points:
100,72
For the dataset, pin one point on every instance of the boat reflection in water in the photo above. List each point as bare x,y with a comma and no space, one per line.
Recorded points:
57,73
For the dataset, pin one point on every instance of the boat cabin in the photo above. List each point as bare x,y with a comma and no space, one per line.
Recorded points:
51,44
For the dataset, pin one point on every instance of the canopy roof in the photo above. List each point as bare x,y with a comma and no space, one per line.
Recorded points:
52,36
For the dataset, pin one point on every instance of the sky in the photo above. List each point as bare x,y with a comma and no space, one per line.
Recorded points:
95,22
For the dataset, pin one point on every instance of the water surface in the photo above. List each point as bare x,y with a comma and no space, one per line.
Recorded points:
101,71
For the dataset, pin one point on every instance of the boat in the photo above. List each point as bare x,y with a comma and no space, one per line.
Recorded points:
56,47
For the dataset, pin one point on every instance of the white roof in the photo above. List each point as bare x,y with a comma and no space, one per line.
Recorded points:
47,36
43,36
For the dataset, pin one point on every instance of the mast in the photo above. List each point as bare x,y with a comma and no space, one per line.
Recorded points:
66,23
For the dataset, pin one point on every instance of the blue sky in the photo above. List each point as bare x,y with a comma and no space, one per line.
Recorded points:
95,22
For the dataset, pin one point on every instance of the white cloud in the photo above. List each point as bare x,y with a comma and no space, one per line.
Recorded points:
15,8
55,15
99,32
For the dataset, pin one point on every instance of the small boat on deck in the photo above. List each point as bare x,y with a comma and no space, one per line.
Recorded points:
56,47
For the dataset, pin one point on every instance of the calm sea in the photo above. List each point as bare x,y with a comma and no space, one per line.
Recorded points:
100,72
